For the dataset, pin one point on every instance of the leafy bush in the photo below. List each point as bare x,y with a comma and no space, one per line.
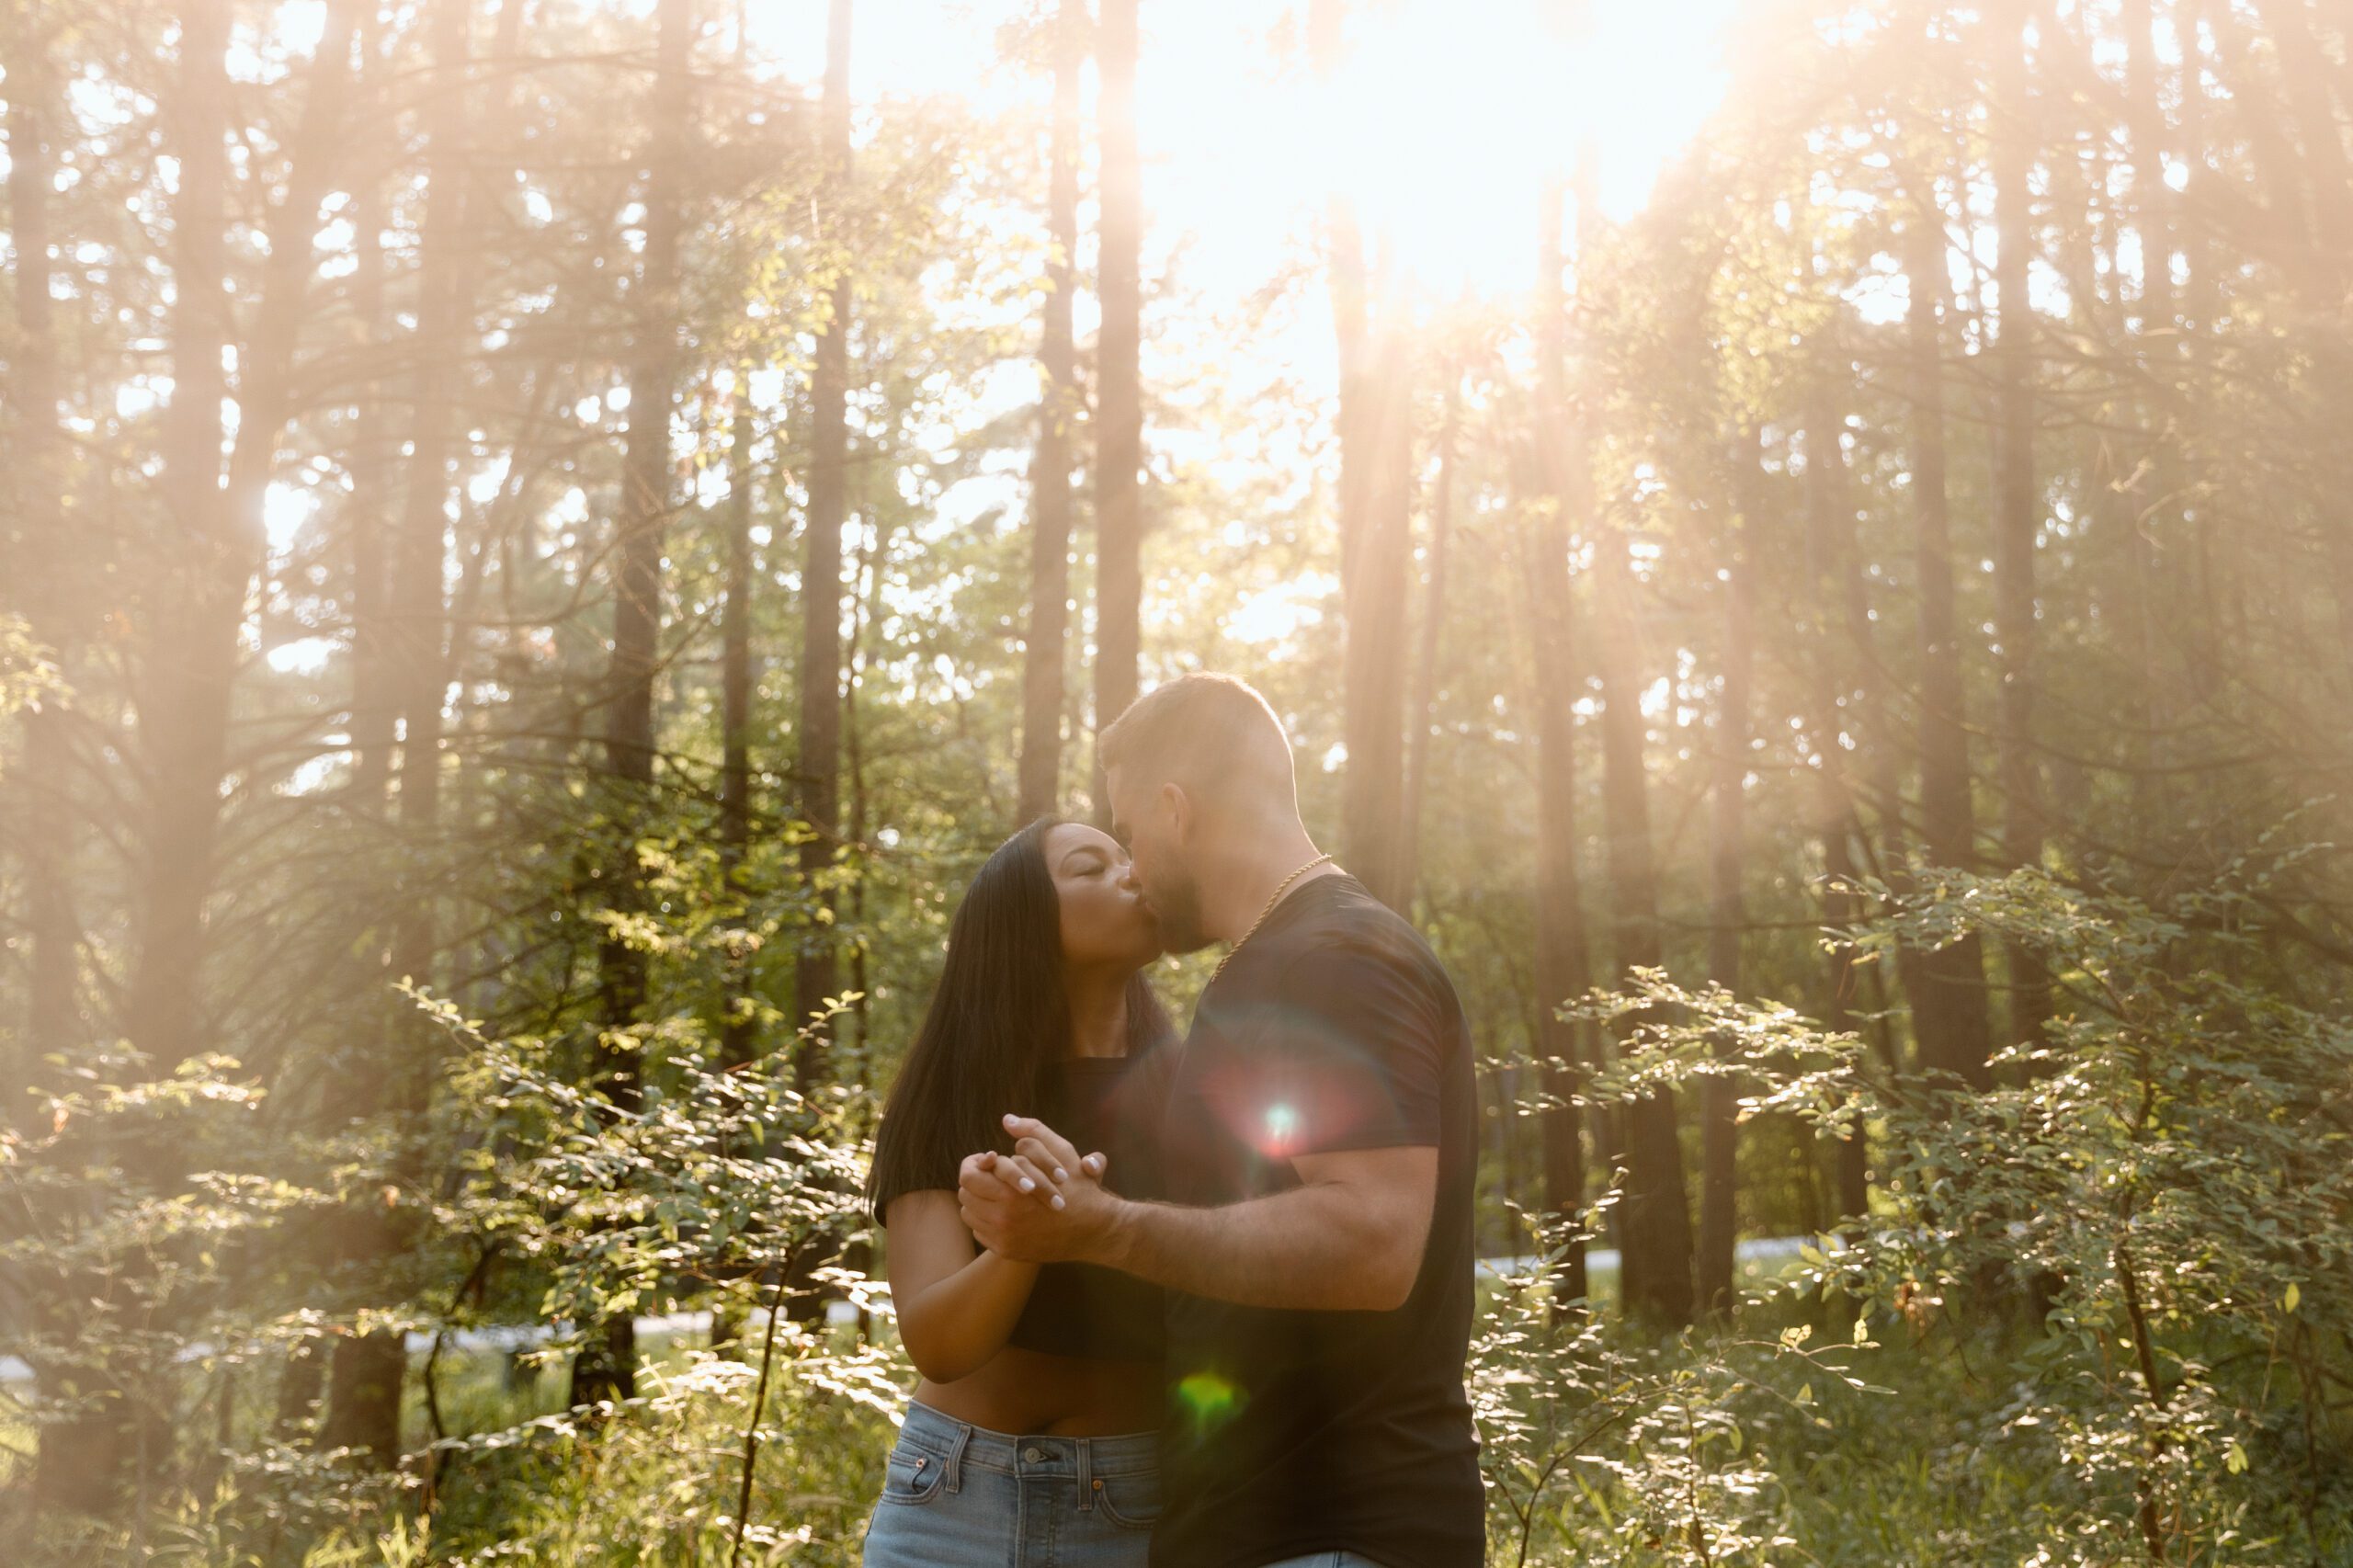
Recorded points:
2163,1186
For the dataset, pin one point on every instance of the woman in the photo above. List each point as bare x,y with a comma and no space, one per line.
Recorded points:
1033,1436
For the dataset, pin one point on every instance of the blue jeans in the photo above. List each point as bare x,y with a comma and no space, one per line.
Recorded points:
956,1494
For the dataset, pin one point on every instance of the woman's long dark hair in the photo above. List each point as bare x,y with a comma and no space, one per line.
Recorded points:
1000,1014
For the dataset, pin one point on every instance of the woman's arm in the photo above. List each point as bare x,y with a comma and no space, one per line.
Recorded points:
957,1304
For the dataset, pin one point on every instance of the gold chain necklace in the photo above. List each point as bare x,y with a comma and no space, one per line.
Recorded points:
1281,889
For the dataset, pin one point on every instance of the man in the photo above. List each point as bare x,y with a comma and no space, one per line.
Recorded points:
1317,1156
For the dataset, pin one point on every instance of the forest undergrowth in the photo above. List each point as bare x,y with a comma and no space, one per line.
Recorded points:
2098,1314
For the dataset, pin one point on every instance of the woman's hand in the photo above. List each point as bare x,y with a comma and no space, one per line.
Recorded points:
1031,1170
1040,1204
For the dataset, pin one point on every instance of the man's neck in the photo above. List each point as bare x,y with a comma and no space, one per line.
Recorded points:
1232,909
1098,1014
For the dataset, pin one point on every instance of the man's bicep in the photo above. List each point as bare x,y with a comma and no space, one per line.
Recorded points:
1393,1192
1401,1176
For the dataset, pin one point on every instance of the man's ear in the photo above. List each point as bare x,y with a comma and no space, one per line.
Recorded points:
1182,816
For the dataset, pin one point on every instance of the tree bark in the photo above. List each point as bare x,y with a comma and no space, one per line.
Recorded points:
1118,432
1719,1095
607,1367
1058,416
821,581
1948,1001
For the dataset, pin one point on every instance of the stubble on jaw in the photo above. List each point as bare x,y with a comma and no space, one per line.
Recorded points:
1177,908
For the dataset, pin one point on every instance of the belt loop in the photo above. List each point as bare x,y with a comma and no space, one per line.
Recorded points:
1085,1476
956,1456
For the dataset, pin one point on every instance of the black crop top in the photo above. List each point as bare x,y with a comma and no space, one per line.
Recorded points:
1105,1103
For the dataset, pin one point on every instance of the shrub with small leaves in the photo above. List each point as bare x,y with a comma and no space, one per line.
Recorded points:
2163,1184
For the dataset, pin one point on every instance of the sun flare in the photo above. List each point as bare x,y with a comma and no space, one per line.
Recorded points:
1444,124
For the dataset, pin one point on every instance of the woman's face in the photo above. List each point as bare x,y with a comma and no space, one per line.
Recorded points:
1105,918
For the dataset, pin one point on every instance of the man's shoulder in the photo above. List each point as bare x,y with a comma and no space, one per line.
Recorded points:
1351,922
1358,954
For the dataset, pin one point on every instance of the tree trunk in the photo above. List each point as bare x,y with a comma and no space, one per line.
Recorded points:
607,1367
1375,502
2016,523
2201,291
209,566
866,611
1562,967
1656,1268
1719,1095
364,1379
188,664
1827,548
1421,707
1118,432
1344,270
2304,66
1042,653
374,442
735,1042
1948,1003
1373,690
2296,215
2144,507
39,538
820,580
1655,1277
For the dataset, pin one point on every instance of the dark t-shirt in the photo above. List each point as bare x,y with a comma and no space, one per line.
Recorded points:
1108,1105
1333,1028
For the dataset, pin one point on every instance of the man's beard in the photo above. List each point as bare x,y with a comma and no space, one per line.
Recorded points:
1178,907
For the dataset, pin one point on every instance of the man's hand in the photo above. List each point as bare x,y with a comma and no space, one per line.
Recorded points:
1039,1204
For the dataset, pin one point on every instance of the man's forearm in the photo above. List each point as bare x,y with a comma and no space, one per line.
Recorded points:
1312,1249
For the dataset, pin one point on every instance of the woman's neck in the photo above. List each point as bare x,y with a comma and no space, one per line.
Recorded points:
1098,1015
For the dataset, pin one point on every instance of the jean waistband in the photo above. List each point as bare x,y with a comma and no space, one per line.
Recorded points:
960,1443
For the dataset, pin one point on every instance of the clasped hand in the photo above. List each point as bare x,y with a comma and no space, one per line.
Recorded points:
1042,1203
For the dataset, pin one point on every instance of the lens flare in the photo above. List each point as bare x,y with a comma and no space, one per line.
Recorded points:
1283,1125
1208,1402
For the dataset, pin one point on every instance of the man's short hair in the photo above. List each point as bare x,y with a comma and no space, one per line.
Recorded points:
1211,734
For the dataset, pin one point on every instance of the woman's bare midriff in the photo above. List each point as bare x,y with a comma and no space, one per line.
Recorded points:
1029,1392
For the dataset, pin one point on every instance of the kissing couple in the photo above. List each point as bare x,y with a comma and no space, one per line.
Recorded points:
1199,1301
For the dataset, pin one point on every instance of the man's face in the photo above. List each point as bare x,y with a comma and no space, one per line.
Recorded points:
1148,820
